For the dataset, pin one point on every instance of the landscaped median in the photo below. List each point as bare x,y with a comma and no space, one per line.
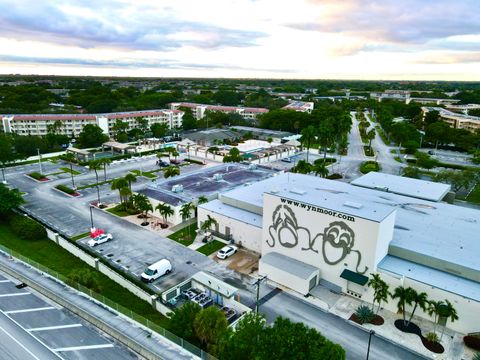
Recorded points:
37,176
186,235
67,190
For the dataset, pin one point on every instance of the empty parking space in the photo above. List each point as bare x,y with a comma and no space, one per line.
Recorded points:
51,330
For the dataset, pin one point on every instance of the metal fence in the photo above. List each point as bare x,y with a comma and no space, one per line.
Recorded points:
113,305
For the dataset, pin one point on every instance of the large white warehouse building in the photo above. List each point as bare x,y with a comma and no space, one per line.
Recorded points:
312,231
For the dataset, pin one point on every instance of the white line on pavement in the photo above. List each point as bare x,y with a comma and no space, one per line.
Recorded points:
15,294
29,310
4,281
55,327
19,343
85,347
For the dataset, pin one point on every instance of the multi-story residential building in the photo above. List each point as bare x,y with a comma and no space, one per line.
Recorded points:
302,106
456,120
72,124
199,110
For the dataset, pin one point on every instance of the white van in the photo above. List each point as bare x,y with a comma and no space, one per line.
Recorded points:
154,271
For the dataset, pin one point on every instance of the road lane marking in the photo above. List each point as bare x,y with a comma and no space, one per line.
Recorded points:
19,343
15,294
85,347
4,281
55,327
29,310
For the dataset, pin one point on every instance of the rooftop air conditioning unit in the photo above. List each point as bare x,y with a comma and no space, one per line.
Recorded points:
177,188
217,177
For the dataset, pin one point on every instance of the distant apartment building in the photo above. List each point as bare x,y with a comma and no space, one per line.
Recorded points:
198,110
301,106
72,124
456,120
404,95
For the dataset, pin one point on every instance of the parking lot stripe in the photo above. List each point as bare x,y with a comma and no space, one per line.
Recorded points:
55,327
15,294
19,343
4,281
85,347
29,310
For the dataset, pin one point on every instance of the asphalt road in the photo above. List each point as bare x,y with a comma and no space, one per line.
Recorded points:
134,247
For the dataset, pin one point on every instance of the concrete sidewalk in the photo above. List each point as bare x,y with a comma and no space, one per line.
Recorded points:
137,337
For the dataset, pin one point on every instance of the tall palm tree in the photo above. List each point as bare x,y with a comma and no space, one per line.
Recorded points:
143,204
119,184
105,162
419,300
185,213
207,224
70,158
165,211
130,178
370,137
434,308
319,168
125,193
326,135
308,136
380,290
404,296
302,167
449,312
171,171
95,165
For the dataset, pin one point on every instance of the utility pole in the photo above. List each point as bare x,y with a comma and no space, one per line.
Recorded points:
257,283
91,216
372,332
39,160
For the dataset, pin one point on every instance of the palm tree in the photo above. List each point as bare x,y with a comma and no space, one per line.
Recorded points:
302,167
326,135
404,296
202,200
185,213
165,211
207,224
370,137
434,308
308,136
96,165
448,311
171,171
380,291
418,299
70,158
319,168
125,193
119,184
143,204
130,178
105,162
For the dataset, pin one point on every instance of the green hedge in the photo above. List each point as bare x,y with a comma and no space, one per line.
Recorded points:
368,166
37,175
65,189
27,228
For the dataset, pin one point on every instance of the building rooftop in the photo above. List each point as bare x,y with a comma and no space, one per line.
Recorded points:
427,275
420,189
292,266
218,207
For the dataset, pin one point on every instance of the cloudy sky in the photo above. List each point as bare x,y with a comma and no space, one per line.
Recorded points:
347,39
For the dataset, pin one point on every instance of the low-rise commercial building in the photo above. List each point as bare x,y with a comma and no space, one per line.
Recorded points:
72,124
315,232
198,110
456,120
301,106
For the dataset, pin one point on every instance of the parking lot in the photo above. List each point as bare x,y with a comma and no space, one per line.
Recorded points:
57,333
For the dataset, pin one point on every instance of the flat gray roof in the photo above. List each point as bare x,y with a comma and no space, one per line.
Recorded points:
427,275
421,189
220,208
430,232
162,196
290,265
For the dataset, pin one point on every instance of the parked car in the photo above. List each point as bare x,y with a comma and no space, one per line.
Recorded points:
162,163
154,271
174,162
100,239
288,160
226,251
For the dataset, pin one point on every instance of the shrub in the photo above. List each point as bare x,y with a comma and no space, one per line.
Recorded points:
364,314
425,161
368,166
65,189
84,277
334,176
27,228
472,342
432,337
36,175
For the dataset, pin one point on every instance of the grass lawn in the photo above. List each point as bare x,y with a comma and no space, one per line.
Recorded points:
183,236
49,254
398,159
119,211
211,247
81,236
93,185
67,170
146,174
474,196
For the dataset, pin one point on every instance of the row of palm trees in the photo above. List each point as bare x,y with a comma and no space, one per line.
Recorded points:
409,296
318,167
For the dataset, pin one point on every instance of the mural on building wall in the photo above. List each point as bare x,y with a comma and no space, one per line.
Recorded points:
338,239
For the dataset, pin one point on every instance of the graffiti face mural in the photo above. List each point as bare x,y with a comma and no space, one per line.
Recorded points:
337,240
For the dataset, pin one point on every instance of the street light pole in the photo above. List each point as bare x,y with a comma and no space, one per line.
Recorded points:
39,160
257,283
372,332
91,216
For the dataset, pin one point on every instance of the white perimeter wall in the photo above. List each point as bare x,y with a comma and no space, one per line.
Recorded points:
243,234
